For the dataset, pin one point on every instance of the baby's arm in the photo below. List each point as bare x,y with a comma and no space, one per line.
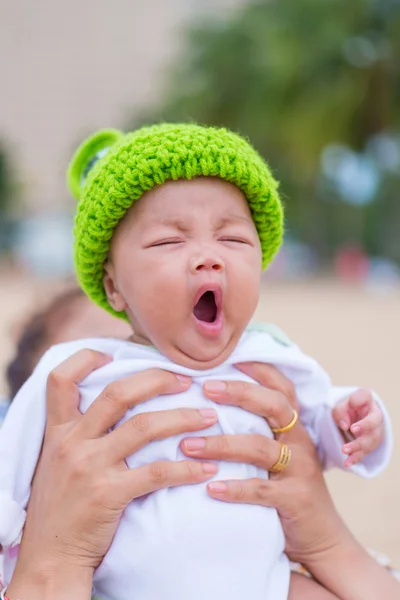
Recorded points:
322,408
21,438
361,421
317,398
329,437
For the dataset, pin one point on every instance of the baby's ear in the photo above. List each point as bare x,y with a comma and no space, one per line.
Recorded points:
87,155
115,299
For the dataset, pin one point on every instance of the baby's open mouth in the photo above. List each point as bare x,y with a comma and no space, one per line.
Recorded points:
206,309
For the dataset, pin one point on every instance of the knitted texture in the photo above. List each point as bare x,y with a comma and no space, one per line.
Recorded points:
85,157
123,167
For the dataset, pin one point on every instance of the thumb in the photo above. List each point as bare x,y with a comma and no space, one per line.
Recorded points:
62,392
341,415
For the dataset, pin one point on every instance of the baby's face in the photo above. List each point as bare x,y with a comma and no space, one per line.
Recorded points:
185,264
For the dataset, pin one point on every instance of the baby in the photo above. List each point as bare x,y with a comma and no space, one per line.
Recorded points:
174,226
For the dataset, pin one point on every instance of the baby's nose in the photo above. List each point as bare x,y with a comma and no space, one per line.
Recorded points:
204,263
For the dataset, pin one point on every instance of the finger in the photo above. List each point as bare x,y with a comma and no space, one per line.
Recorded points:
163,474
352,447
62,393
269,377
341,415
252,449
365,443
270,404
370,423
247,491
119,396
360,402
354,459
147,427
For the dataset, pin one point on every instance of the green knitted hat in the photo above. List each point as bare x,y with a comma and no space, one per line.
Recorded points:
111,170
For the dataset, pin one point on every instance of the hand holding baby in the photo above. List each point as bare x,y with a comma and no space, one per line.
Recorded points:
360,416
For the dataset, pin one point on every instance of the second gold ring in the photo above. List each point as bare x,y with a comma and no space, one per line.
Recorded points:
283,460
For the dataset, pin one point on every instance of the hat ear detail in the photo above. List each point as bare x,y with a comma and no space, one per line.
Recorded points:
87,155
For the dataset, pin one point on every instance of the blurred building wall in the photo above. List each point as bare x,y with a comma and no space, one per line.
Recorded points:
69,68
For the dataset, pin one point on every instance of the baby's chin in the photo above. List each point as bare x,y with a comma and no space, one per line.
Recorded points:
201,357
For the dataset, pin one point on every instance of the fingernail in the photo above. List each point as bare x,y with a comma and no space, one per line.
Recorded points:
217,487
108,358
209,468
194,443
343,425
215,387
183,379
346,450
355,429
208,414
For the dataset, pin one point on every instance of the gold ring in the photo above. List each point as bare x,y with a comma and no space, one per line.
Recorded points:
289,426
283,460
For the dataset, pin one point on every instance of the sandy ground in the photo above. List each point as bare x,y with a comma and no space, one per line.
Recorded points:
354,333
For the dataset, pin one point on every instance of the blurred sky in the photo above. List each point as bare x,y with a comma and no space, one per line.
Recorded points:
320,108
69,68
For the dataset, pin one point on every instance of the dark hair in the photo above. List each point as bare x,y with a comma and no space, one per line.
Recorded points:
36,338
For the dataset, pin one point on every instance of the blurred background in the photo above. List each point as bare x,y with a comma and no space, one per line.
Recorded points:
315,85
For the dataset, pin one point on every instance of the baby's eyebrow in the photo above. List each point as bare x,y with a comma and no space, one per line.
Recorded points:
232,218
175,222
185,226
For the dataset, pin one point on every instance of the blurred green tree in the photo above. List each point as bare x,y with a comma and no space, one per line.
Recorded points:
297,76
6,196
5,183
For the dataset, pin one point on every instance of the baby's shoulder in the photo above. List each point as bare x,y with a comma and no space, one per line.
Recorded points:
269,330
60,352
267,343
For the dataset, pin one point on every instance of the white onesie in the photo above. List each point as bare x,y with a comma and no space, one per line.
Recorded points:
178,543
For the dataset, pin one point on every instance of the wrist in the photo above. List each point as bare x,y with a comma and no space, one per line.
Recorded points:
339,548
44,581
348,571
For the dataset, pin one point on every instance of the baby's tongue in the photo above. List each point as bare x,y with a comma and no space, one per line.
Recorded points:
205,309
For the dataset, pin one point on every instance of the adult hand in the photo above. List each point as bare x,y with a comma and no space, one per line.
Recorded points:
82,483
315,534
309,519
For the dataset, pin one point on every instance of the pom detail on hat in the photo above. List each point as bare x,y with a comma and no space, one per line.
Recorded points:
86,156
137,162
